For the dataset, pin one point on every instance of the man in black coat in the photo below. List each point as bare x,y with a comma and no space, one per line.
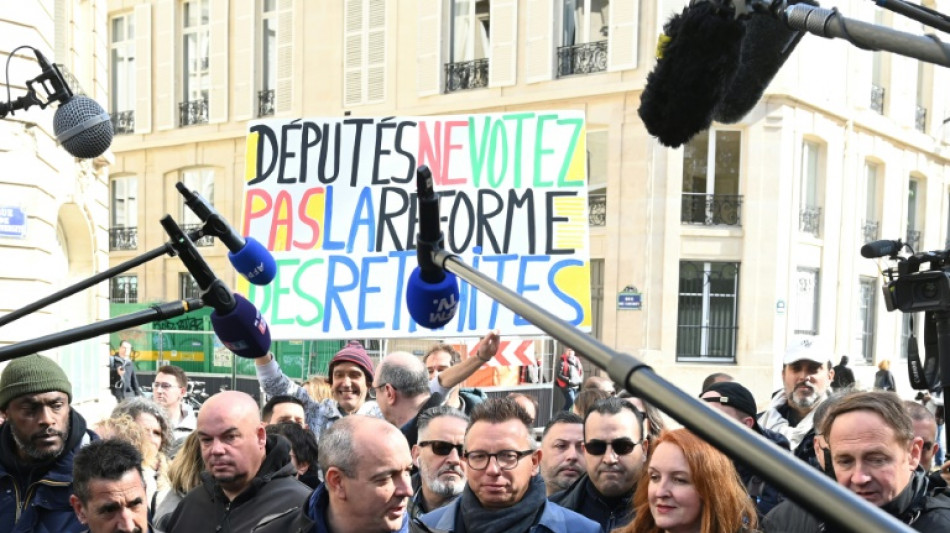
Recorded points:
248,476
844,377
875,455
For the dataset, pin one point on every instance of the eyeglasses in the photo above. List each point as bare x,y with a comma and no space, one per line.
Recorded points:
506,459
442,448
163,386
620,446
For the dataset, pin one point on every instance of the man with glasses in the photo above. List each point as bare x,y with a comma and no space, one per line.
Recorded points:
402,392
168,390
438,456
503,492
615,451
562,452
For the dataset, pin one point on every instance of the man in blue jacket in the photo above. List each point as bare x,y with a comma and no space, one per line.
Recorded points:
37,444
504,491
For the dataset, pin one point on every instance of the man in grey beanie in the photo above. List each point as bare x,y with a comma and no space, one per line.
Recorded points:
37,444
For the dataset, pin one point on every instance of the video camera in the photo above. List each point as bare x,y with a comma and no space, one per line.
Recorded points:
908,289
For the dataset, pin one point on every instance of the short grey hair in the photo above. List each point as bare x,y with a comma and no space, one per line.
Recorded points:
432,413
337,448
410,382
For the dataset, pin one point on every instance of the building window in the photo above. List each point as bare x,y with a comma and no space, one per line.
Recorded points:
711,179
878,91
924,87
469,26
597,298
597,177
196,74
364,51
864,321
122,65
707,322
202,181
124,290
123,231
914,214
872,222
810,212
806,301
187,286
583,37
266,94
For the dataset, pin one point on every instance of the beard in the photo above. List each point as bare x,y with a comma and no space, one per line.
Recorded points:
34,452
807,401
445,489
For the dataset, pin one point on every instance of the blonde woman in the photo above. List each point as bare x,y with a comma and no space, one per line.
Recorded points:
154,462
184,474
883,379
318,388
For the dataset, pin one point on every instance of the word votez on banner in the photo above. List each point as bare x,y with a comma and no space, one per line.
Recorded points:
510,353
334,200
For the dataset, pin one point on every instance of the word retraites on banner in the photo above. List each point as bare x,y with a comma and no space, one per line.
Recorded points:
335,202
517,352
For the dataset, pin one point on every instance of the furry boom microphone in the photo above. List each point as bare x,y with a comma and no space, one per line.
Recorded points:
711,66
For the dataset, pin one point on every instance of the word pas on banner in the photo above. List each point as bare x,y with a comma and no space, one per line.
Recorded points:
510,353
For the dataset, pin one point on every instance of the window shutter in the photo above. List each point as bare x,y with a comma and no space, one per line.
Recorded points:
428,48
503,61
166,101
247,44
622,46
143,68
284,95
353,52
539,43
218,51
375,52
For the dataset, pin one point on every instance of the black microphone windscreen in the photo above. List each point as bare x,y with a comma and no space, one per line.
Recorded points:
694,69
83,127
767,44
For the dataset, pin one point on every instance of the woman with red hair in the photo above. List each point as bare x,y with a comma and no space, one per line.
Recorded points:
689,486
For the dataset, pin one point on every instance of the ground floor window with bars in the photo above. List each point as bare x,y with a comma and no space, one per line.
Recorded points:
707,315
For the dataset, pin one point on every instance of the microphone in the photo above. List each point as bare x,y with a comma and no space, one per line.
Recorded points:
432,294
875,249
237,323
248,256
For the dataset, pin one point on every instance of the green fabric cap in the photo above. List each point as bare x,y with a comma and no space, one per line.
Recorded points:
32,374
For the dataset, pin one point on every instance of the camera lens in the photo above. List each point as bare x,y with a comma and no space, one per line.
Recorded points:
929,290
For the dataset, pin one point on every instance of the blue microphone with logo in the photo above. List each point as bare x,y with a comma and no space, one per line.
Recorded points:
432,293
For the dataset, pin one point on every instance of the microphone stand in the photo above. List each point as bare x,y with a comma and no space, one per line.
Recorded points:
138,318
805,485
166,248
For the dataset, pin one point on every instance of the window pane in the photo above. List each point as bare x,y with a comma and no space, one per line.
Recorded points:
810,174
707,313
695,163
727,162
806,301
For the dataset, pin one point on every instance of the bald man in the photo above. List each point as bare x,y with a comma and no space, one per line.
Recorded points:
402,392
248,476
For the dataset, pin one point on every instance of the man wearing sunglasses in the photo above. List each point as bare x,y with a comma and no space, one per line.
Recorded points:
614,451
503,492
438,456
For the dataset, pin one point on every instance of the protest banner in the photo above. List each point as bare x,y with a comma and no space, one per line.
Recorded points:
334,199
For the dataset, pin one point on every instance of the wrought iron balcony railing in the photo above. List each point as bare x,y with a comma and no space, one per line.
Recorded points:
207,240
265,103
870,230
597,209
913,239
466,75
920,119
122,238
123,122
712,209
123,294
582,58
193,112
809,220
877,98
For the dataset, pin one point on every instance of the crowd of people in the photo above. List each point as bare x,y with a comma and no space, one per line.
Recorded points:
398,446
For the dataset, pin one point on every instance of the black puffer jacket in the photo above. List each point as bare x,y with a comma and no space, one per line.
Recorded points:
272,492
916,506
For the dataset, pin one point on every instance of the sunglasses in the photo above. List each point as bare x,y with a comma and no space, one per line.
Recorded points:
442,448
620,446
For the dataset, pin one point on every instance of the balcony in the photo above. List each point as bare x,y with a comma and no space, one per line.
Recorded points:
877,98
809,220
207,240
597,209
920,119
581,58
265,103
466,75
711,209
913,239
123,122
870,230
193,112
122,238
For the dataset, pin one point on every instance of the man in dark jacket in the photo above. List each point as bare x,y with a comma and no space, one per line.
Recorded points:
129,385
844,377
614,453
37,444
736,402
875,455
248,476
